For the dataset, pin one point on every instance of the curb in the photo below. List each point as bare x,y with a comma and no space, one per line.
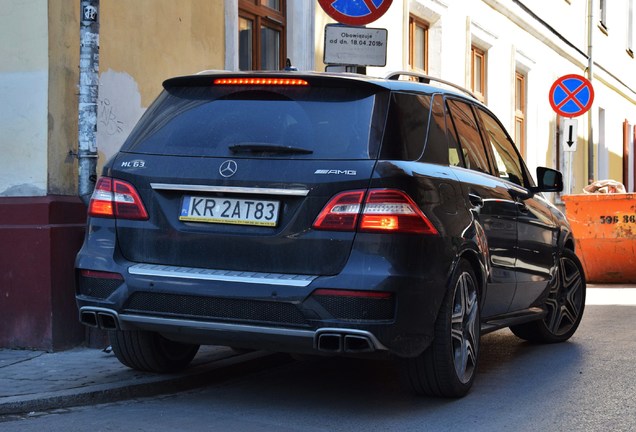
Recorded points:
198,376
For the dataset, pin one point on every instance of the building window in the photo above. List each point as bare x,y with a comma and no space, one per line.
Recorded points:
603,14
520,112
630,27
478,73
262,34
602,167
418,44
629,164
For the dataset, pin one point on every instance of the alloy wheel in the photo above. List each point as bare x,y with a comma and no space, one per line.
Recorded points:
565,299
464,327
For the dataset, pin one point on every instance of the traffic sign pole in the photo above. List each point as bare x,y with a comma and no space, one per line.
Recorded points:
355,12
570,96
569,138
355,45
569,134
361,46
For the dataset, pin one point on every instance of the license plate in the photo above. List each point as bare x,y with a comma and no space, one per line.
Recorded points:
229,211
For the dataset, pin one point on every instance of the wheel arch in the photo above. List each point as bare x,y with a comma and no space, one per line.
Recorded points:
478,267
568,243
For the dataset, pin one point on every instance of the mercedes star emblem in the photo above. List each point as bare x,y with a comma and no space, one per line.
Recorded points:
228,168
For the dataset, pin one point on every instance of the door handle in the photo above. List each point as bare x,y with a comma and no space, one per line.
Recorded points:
523,208
475,200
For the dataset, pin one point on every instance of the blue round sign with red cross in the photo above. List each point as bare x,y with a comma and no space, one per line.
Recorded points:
355,12
571,95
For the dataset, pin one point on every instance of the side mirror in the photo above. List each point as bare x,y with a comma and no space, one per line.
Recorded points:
549,180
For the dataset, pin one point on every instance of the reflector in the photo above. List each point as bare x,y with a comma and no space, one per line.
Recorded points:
351,293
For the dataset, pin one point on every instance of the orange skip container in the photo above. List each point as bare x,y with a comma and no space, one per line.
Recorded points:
604,227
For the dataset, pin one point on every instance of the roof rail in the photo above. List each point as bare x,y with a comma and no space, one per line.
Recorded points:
426,79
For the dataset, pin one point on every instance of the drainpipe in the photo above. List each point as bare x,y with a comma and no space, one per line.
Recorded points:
590,76
88,90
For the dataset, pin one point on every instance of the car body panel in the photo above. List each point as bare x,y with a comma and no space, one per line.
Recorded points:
292,286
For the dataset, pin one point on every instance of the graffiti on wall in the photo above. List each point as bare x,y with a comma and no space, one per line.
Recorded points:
107,118
118,110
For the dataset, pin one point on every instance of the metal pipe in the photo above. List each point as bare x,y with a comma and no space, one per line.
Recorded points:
88,92
590,76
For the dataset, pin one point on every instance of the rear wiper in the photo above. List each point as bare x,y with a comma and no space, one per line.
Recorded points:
267,148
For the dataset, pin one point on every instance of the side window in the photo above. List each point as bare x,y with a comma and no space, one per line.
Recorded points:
471,145
508,161
407,126
437,144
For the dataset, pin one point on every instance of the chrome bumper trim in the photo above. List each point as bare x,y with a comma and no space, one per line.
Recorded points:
229,189
220,275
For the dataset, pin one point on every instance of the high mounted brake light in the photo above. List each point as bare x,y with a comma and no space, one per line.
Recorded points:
261,81
114,198
384,210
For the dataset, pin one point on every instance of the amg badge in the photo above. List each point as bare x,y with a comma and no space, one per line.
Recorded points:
336,172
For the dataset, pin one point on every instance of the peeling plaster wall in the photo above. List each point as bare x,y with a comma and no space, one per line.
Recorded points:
118,110
142,44
23,92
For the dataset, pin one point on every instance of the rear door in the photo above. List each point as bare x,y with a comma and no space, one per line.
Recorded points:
537,230
491,204
234,175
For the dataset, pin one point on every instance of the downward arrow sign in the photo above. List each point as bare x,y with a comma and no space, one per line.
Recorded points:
570,142
567,139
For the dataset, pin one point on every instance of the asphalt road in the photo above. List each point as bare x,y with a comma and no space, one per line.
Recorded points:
586,384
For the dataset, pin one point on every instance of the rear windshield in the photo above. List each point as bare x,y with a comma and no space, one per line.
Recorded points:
292,122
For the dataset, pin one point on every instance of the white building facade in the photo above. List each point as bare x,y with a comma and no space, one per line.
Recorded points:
508,52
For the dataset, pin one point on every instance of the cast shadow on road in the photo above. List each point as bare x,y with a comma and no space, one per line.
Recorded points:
353,387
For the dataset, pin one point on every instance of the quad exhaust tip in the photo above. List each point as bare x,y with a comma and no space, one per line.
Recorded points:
339,343
89,318
101,319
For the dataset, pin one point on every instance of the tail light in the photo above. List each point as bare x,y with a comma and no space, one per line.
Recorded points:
383,210
341,213
114,198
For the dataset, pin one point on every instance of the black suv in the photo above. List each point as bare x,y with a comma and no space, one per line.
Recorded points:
325,214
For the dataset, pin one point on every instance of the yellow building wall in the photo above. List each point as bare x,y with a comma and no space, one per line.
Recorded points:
152,40
64,33
142,43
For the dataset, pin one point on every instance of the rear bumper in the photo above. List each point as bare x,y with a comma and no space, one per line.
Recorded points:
326,339
277,312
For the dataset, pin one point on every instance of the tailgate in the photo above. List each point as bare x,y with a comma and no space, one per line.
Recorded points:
258,221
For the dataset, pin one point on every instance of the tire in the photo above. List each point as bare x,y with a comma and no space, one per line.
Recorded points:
447,368
151,352
565,304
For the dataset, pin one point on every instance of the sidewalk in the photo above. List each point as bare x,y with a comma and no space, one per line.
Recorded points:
39,381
